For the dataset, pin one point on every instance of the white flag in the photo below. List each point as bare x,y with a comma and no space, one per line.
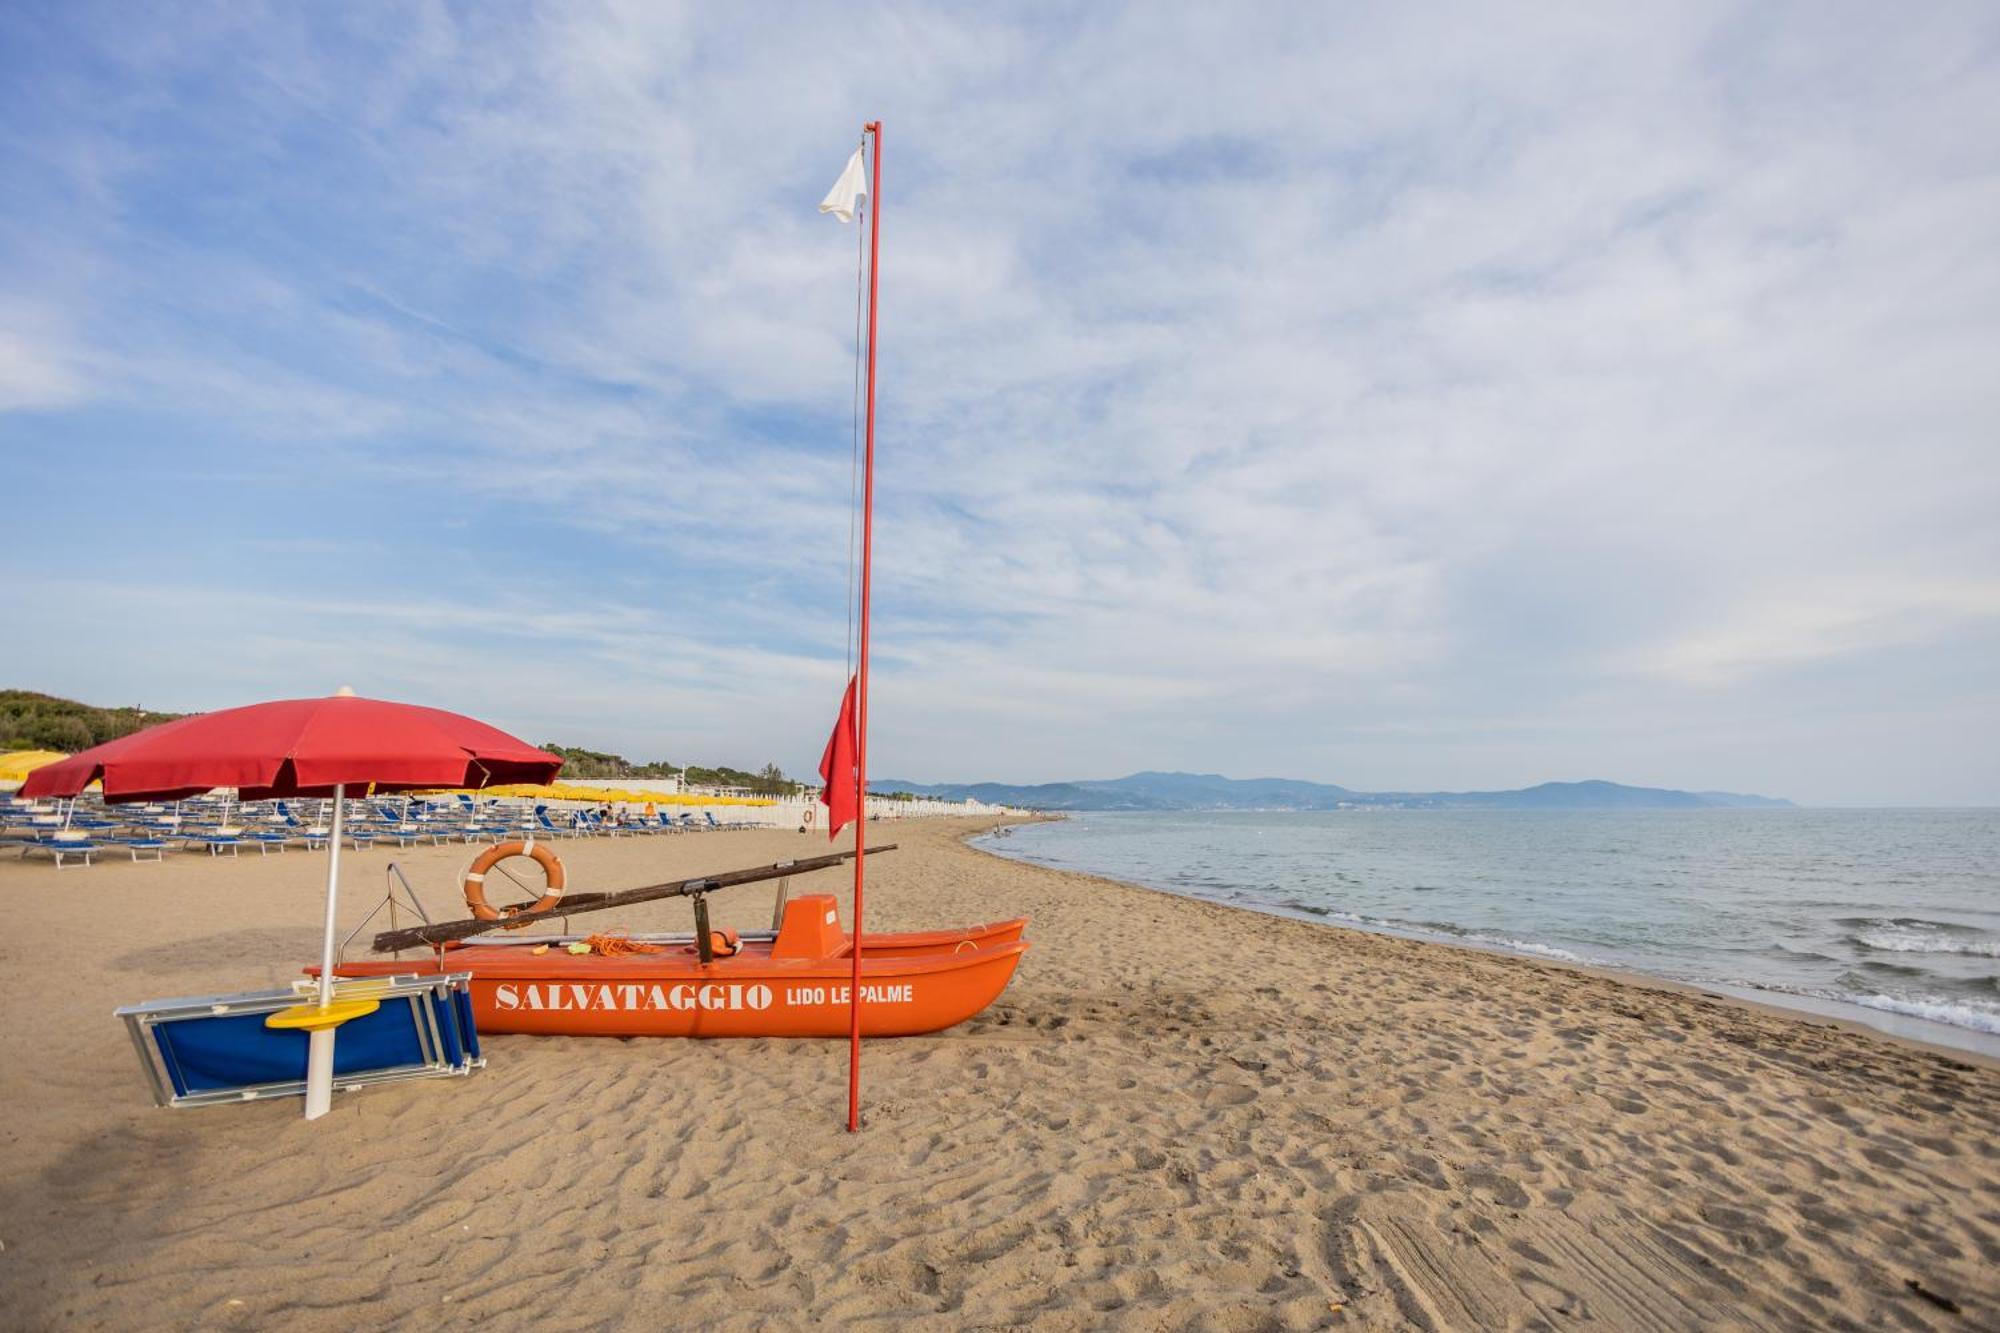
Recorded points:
853,183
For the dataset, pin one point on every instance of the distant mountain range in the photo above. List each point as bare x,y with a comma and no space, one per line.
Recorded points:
1211,791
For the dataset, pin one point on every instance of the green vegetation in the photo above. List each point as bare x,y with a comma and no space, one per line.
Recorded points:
581,763
30,721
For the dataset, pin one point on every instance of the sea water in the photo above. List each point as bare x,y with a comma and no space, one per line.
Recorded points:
1888,917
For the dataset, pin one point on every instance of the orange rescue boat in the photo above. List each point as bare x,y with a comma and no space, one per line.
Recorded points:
792,984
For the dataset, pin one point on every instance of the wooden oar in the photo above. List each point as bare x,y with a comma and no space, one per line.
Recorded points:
417,937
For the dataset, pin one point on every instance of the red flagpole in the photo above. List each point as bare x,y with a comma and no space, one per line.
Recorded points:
873,127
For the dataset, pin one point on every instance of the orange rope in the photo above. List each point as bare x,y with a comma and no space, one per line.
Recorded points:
617,946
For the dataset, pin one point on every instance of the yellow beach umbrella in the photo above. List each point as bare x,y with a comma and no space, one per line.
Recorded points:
563,791
15,765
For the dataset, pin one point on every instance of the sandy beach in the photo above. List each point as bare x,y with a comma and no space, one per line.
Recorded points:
1180,1115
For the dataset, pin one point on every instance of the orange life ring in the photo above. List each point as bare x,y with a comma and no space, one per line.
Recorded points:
475,878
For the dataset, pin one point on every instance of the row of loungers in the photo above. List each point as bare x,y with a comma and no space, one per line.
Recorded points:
150,834
586,824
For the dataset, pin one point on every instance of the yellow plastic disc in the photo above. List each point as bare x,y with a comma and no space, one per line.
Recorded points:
310,1017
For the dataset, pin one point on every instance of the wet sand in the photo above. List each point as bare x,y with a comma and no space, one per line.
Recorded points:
1180,1115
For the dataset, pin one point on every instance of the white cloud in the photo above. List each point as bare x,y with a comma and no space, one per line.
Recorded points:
38,370
1782,626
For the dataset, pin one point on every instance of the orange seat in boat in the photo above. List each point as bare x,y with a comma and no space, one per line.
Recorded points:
811,929
722,943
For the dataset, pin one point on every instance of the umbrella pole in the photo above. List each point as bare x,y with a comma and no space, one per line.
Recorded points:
319,1056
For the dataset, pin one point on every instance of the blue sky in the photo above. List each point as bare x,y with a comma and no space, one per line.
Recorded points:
1401,396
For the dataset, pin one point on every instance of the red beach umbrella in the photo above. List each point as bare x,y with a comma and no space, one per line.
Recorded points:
299,747
303,747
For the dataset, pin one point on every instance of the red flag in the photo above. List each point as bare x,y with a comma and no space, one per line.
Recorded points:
837,767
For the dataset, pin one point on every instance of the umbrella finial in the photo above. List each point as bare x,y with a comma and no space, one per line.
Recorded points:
344,692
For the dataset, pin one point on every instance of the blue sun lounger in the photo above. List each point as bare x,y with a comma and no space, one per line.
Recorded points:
388,824
597,827
142,847
550,826
206,1049
315,836
61,847
217,843
299,830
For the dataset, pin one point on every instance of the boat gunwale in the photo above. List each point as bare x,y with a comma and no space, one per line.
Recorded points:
500,962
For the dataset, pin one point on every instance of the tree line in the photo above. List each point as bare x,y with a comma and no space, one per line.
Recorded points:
578,762
31,721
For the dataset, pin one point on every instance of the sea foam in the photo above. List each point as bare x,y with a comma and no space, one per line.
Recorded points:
1530,946
1925,938
1978,1018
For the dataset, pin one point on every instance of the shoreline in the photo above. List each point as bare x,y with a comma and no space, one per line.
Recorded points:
1798,1008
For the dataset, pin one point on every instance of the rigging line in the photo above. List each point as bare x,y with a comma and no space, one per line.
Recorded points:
854,430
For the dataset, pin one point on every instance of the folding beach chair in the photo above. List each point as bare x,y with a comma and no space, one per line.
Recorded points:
207,1049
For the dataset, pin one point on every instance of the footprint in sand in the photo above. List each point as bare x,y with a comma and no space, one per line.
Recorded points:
1502,1190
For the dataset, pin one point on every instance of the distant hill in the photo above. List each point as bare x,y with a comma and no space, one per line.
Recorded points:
1212,791
31,721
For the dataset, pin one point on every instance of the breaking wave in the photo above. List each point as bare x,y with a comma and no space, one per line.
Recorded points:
1979,1018
1529,946
1915,935
1440,929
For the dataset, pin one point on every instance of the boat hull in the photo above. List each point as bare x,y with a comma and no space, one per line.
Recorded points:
904,991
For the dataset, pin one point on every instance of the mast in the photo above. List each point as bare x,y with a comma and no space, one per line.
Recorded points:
873,127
